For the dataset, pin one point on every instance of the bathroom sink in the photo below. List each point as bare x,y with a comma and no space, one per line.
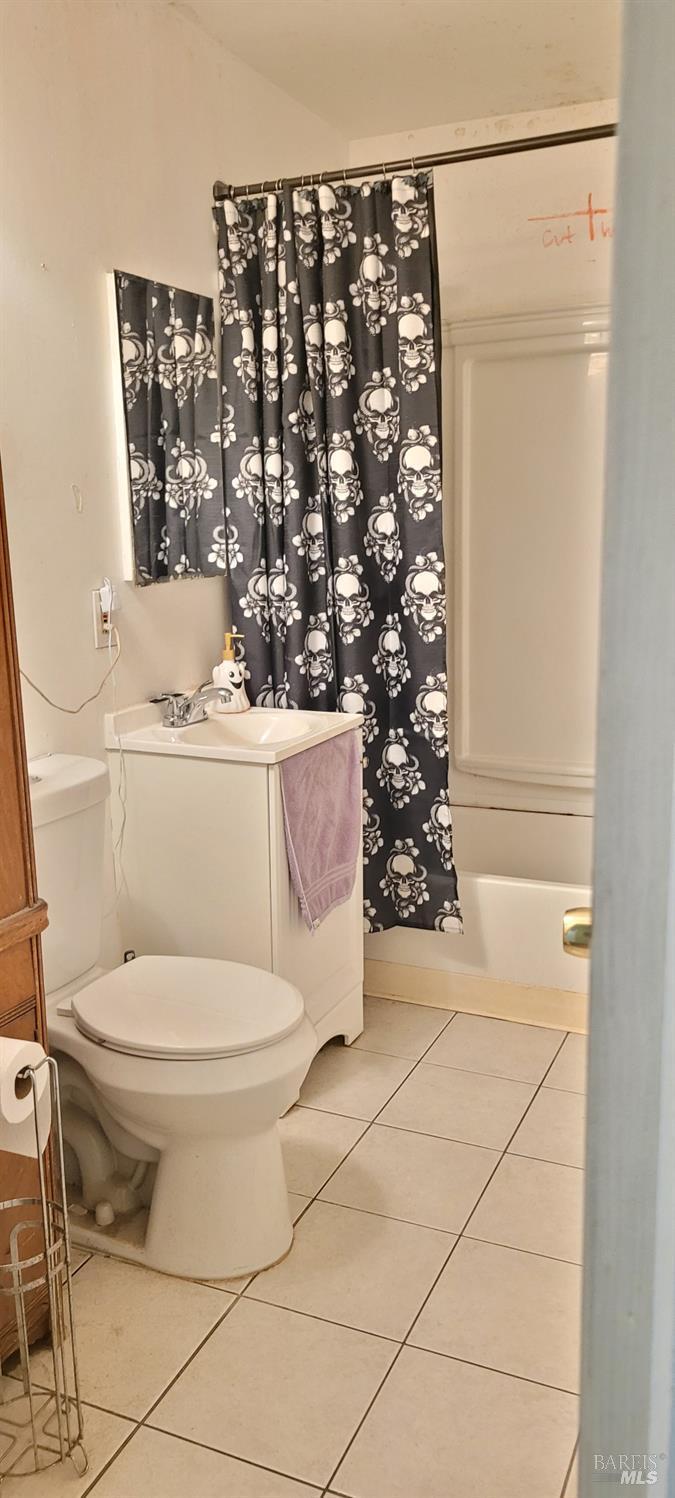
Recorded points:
262,735
259,726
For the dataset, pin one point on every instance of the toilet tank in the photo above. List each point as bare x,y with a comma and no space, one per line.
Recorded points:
68,798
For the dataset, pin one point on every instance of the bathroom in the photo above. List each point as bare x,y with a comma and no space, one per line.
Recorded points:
391,1306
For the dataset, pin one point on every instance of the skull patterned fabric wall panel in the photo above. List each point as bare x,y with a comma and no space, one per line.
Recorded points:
171,411
330,427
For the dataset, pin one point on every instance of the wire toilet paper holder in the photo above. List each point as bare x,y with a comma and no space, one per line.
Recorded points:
41,1425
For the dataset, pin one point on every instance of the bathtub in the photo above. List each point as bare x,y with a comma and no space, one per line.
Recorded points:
509,961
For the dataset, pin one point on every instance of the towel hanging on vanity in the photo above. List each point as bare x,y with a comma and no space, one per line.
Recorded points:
321,793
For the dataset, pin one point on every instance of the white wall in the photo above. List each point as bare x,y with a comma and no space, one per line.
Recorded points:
494,261
116,119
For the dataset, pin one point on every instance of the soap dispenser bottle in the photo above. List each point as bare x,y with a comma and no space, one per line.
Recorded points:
228,676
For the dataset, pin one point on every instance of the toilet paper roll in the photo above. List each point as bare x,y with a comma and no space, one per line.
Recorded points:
17,1117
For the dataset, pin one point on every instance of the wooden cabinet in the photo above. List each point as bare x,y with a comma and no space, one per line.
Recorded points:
22,917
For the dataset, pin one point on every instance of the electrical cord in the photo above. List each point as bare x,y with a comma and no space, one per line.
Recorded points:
73,711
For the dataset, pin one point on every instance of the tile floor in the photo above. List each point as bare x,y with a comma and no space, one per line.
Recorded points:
421,1338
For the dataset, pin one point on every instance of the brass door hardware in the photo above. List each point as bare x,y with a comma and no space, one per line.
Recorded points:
577,929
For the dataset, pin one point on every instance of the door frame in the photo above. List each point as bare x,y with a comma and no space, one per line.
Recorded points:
629,1282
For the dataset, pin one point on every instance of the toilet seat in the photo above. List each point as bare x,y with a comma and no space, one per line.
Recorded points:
187,1008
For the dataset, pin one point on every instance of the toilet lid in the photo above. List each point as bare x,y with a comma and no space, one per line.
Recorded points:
187,1008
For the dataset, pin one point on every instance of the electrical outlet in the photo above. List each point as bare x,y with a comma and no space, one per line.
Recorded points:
104,603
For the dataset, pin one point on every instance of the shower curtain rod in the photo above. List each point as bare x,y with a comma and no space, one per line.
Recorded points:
419,163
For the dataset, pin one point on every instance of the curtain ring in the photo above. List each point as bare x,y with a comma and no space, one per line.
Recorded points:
384,173
344,176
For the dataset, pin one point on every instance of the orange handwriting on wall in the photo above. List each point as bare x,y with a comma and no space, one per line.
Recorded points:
595,225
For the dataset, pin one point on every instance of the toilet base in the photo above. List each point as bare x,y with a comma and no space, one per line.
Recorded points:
219,1210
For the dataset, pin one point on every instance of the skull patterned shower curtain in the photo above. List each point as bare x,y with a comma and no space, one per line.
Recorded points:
330,425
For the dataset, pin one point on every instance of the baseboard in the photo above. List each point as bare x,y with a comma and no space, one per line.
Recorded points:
554,1008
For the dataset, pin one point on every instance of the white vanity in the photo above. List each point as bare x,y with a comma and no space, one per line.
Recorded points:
203,852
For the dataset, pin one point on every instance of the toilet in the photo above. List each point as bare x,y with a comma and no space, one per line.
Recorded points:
174,1070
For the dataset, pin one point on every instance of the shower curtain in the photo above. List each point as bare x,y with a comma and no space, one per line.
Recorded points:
330,424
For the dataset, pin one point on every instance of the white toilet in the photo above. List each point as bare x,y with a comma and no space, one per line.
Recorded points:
176,1068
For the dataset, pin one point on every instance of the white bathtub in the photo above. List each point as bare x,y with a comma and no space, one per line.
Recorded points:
512,933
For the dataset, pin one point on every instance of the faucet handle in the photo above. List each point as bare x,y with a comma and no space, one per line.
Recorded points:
174,704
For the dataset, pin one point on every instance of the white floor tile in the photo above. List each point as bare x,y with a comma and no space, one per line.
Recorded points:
156,1465
277,1388
459,1105
444,1429
103,1434
512,1311
554,1129
365,1271
569,1068
134,1331
499,1047
533,1205
434,1182
400,1029
314,1143
357,1083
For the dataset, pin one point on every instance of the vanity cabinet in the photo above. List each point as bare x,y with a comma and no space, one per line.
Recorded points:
203,856
22,917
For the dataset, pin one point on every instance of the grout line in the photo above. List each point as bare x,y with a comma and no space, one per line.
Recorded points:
365,1415
246,1461
491,1149
441,1271
569,1091
89,1254
327,1201
362,1050
518,1126
165,1390
328,1320
112,1459
329,1178
452,1357
426,1227
368,1125
568,1473
535,1252
473,1071
543,1160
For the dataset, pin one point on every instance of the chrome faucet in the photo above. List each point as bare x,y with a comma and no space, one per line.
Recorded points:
181,710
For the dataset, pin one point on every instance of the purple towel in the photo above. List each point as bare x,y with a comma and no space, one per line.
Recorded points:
321,792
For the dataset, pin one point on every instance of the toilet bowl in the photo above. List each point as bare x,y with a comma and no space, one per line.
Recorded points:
198,1059
188,1062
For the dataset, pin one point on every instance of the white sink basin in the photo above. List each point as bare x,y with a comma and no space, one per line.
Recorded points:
261,735
259,726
